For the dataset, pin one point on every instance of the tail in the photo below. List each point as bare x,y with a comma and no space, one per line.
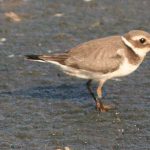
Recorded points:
60,58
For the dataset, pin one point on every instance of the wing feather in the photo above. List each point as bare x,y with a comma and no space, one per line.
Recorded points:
98,55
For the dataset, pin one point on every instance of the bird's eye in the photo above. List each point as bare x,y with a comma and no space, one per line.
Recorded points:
142,40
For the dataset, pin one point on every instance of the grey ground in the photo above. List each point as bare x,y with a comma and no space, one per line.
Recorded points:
41,108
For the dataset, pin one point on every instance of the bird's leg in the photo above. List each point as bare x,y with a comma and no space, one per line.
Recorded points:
99,103
88,84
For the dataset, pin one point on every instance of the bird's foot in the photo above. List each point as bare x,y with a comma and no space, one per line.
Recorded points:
104,108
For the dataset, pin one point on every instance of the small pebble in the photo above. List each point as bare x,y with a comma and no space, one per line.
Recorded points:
59,15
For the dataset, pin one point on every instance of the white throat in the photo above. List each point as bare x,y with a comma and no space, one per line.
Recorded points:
138,51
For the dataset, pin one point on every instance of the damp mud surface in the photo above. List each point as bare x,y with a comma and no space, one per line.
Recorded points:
41,108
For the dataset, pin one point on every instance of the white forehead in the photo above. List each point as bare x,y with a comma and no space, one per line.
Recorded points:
138,37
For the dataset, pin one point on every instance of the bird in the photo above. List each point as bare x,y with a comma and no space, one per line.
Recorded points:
102,59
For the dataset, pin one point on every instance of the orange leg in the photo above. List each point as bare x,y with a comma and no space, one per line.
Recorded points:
99,103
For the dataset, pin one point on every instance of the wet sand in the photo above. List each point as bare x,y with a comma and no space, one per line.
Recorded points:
40,106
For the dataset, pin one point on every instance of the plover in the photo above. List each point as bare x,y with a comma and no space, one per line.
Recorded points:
102,59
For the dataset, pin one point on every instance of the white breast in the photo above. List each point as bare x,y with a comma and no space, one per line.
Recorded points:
124,69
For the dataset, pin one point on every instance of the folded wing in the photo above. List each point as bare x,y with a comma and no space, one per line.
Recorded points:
96,55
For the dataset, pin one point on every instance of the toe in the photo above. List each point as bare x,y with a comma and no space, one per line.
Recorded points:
108,107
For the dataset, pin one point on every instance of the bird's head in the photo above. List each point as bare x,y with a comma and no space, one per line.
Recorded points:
138,41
